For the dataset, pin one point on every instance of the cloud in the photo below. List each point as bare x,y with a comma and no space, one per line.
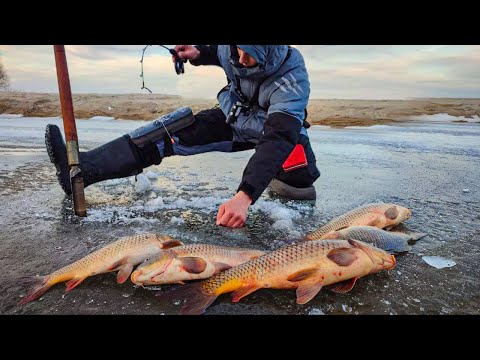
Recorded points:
105,52
341,71
393,71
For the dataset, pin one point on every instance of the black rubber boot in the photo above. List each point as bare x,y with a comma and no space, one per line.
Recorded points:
57,151
117,159
292,193
125,156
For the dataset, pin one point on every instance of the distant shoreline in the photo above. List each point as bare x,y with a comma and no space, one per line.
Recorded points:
329,112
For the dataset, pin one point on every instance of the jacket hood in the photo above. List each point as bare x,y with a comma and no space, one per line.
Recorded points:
268,57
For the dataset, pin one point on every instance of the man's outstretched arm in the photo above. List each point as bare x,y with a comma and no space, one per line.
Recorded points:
199,54
280,137
281,134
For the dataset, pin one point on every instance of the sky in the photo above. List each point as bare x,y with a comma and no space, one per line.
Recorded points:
335,71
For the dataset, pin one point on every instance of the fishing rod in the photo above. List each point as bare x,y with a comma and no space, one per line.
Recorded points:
179,64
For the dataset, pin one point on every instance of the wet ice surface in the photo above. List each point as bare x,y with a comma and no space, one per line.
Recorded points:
424,166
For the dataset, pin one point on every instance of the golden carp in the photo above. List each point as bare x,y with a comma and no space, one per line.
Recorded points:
190,262
391,241
122,255
306,266
380,215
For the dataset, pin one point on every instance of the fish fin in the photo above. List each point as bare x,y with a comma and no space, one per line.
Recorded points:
168,242
302,274
196,300
331,235
416,236
243,291
74,283
193,265
344,287
391,213
374,221
307,290
400,249
219,266
395,246
342,256
39,286
117,264
124,273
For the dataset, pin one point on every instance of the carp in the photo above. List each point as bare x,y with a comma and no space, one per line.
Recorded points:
305,266
121,255
190,262
381,215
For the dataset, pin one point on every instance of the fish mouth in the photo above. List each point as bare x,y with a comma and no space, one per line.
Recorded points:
134,275
408,213
379,257
390,263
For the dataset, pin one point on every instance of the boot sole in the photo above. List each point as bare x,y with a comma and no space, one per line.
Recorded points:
49,136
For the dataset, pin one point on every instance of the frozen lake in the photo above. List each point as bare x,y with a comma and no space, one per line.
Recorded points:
431,166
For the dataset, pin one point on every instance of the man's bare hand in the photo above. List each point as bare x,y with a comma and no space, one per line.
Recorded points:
234,212
188,52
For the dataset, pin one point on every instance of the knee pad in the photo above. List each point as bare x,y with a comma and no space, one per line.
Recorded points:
159,130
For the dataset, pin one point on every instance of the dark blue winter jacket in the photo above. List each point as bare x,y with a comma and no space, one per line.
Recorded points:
277,89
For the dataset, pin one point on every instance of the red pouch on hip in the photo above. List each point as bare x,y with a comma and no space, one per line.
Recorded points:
297,159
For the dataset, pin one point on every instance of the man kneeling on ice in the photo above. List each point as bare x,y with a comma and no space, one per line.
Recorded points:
263,106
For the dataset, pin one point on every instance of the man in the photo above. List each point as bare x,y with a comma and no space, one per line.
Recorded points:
263,106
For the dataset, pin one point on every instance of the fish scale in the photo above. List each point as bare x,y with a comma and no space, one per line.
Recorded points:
206,249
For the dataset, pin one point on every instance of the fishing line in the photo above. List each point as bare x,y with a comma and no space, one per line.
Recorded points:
179,67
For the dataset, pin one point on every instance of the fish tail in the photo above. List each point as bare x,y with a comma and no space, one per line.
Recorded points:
39,285
196,299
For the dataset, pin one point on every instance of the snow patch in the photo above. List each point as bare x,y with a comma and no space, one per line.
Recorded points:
444,117
102,118
142,184
154,204
152,175
276,211
316,311
9,116
114,182
177,220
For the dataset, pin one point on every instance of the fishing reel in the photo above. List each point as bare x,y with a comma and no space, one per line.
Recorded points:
179,67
